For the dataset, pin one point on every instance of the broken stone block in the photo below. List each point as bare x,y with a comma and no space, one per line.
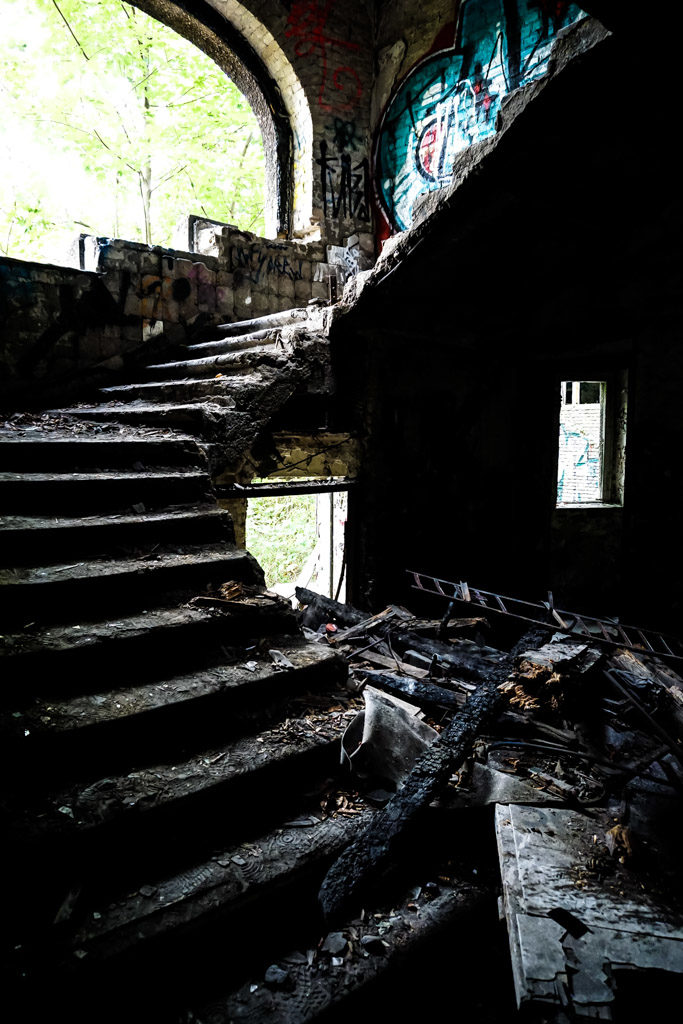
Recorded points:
276,978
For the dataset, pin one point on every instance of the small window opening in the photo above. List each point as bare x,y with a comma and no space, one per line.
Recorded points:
299,541
592,442
582,443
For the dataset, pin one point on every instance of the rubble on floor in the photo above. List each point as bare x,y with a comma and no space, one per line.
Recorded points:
584,765
217,809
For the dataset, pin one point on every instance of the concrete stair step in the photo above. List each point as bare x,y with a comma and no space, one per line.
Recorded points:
204,419
91,492
226,389
236,343
35,539
71,454
414,939
266,322
127,820
224,362
240,879
138,649
104,732
59,592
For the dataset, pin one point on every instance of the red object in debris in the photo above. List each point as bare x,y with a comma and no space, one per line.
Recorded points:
330,628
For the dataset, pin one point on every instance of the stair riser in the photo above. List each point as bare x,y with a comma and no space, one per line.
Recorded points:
174,391
81,455
84,497
38,547
206,369
148,656
60,601
190,421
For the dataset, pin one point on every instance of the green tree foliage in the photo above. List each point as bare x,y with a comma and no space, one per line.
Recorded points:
115,125
281,534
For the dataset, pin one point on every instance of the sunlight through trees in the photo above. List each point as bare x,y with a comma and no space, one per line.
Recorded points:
115,125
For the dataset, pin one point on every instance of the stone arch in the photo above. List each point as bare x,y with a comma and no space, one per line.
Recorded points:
241,45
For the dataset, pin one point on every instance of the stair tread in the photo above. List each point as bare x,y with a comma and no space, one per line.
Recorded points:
47,715
114,407
225,382
68,638
56,523
222,359
112,474
96,568
294,315
235,341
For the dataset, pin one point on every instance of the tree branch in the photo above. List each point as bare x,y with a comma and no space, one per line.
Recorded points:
70,30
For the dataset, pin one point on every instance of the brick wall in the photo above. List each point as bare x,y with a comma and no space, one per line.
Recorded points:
580,459
320,54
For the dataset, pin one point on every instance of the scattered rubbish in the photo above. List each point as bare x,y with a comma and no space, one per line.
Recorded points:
335,943
384,739
279,659
576,736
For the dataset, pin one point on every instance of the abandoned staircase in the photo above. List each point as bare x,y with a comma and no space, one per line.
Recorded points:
165,742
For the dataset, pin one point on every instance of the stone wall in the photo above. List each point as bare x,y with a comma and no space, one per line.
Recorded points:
62,326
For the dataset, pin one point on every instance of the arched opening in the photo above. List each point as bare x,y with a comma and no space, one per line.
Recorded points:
106,117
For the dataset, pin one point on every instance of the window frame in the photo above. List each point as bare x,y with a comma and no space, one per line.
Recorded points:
614,415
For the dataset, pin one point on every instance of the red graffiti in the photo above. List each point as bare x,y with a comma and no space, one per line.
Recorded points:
307,26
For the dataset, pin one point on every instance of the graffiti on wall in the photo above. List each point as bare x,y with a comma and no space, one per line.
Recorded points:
450,100
340,86
255,261
345,184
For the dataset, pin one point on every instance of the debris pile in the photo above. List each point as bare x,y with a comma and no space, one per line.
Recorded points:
578,744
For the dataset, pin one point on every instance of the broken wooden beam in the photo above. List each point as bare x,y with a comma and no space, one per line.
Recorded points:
416,691
329,610
368,858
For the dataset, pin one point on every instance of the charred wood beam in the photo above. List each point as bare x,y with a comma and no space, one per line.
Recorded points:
344,614
369,858
466,662
416,691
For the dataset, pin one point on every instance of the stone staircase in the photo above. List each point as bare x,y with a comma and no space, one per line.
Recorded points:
168,742
225,390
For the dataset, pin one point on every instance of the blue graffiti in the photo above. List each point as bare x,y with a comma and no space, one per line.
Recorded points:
451,99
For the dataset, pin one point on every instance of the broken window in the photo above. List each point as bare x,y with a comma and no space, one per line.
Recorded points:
592,440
